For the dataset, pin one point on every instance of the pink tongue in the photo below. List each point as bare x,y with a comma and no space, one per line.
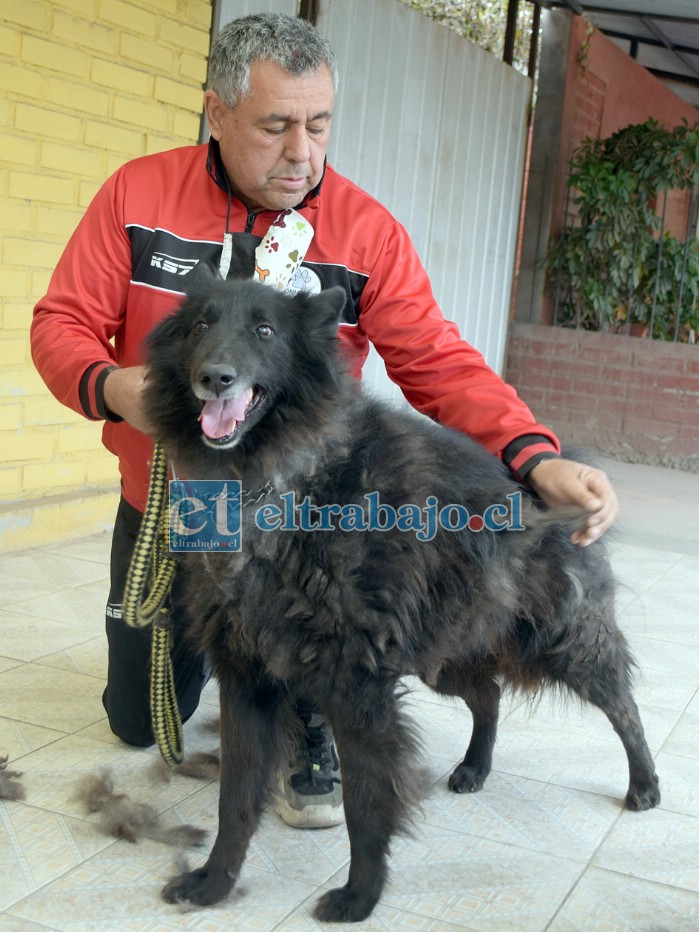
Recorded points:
220,415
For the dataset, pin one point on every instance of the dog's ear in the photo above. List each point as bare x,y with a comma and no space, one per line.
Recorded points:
201,279
317,334
328,305
321,312
197,284
336,298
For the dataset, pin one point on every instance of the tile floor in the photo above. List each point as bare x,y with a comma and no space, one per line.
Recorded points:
545,846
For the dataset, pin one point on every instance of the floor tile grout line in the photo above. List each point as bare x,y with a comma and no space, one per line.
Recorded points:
60,736
6,559
669,735
638,595
41,662
588,866
53,880
37,922
643,880
571,890
6,820
13,606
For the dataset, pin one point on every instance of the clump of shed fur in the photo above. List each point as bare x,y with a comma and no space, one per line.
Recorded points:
199,766
123,817
10,787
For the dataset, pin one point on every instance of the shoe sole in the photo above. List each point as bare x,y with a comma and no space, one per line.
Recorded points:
323,815
310,816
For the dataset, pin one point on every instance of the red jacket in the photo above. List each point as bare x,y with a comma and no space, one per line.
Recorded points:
124,266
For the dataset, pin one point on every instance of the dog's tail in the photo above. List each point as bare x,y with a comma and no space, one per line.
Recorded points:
540,520
538,515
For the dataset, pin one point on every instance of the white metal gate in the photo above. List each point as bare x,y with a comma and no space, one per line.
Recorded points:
226,10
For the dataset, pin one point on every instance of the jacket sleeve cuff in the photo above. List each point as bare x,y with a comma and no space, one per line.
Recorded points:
91,392
526,452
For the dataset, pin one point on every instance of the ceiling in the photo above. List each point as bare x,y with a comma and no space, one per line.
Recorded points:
662,35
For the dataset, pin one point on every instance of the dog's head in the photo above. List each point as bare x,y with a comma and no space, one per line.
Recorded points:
236,351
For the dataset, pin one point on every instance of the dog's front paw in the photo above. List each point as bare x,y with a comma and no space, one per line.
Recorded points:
640,798
202,887
467,779
344,905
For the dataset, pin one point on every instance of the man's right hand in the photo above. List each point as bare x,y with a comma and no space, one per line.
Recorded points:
123,395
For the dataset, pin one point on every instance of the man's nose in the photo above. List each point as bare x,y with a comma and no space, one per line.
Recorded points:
298,148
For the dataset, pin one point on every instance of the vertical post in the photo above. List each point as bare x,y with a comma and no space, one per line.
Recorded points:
658,267
534,43
309,9
559,277
510,32
546,170
687,235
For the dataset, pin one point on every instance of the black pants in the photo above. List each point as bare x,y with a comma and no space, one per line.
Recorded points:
127,696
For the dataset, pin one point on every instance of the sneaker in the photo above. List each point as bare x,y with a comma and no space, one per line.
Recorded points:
310,791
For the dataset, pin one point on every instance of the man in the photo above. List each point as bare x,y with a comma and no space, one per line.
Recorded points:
269,104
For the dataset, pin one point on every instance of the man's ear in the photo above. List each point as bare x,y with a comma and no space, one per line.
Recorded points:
215,110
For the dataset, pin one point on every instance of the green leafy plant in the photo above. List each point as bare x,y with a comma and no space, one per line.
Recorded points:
617,268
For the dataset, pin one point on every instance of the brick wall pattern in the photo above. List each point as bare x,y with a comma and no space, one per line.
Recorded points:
623,396
88,84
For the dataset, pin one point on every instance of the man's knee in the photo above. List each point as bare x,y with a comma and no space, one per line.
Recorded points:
132,728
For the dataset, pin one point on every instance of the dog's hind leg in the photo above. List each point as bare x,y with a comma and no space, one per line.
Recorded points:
250,750
644,789
481,694
598,670
380,785
615,700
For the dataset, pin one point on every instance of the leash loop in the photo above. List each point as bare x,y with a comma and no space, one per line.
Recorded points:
152,564
150,559
165,713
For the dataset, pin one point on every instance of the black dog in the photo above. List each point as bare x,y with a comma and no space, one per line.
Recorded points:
245,383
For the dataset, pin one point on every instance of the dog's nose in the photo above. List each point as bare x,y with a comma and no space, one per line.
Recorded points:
216,378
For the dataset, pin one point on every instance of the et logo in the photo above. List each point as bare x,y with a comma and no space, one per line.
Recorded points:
204,515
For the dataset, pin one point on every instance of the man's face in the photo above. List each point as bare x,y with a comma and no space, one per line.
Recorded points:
273,143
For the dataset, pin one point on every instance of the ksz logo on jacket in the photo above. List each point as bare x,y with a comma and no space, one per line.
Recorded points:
172,264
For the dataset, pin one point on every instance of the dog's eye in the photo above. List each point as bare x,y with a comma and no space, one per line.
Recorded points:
200,327
264,330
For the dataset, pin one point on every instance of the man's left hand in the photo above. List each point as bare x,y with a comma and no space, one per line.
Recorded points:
562,483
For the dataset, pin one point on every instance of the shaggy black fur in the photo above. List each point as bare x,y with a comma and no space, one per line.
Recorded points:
335,619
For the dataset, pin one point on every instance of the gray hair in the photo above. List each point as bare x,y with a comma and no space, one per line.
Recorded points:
293,44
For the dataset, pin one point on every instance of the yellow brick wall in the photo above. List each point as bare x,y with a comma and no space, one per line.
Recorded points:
87,85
